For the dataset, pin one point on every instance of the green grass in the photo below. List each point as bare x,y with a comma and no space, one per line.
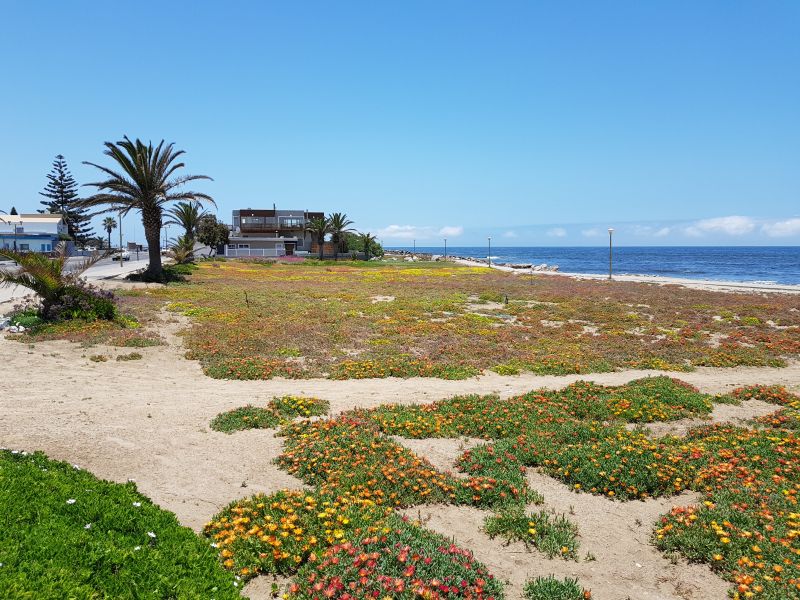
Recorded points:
550,588
554,535
66,534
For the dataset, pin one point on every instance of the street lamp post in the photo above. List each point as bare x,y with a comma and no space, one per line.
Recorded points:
415,247
490,250
445,248
610,252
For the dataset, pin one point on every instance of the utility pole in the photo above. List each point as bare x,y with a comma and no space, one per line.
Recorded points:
610,232
445,248
490,250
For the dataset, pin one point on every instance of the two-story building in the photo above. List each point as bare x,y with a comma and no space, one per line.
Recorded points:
31,232
270,232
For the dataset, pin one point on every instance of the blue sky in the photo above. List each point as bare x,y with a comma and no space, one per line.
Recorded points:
538,123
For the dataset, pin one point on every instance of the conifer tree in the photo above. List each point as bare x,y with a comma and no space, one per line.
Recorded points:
62,193
13,211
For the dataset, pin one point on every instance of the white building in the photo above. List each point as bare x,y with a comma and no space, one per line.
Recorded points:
31,232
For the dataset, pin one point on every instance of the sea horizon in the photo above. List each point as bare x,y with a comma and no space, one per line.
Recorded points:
750,264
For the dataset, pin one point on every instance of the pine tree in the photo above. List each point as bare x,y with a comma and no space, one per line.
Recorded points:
13,211
62,192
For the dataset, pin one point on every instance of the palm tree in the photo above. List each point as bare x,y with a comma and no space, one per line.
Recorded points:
183,250
109,224
339,228
186,215
146,184
367,239
45,276
319,227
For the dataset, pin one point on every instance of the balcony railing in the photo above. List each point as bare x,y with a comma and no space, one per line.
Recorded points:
265,223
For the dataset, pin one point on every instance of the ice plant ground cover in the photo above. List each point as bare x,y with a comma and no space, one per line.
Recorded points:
359,475
256,320
349,320
66,533
747,527
342,540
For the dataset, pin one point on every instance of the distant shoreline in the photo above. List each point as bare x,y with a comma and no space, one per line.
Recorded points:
740,267
699,284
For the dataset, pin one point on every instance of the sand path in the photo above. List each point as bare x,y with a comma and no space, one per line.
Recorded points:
147,420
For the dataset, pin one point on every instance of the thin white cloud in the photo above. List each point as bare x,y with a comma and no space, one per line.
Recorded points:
402,232
594,232
649,231
782,228
733,225
510,234
417,232
557,232
451,231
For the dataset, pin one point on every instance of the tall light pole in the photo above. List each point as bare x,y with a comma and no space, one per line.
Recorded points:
445,248
610,251
490,250
415,247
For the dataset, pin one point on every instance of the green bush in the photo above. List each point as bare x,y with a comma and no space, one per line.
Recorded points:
66,534
28,319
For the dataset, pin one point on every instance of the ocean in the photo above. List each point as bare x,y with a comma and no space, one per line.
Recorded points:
763,264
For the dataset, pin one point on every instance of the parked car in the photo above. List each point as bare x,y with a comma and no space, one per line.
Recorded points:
123,255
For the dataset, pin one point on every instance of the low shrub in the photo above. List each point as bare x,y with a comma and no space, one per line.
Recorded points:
279,410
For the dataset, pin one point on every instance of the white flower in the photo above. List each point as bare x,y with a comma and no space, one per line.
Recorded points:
214,545
151,534
87,526
71,501
137,504
138,548
76,467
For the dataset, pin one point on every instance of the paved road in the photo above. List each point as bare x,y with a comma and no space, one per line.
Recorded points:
105,269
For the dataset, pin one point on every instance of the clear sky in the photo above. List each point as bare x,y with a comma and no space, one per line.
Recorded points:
537,123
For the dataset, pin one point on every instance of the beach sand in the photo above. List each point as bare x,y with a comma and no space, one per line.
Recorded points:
148,420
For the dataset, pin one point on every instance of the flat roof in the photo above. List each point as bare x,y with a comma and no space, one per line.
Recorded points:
42,218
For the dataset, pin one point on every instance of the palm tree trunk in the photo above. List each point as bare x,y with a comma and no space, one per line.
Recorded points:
109,239
322,248
152,233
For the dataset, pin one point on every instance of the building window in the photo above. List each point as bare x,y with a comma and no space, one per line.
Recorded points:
252,221
24,248
292,222
244,246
